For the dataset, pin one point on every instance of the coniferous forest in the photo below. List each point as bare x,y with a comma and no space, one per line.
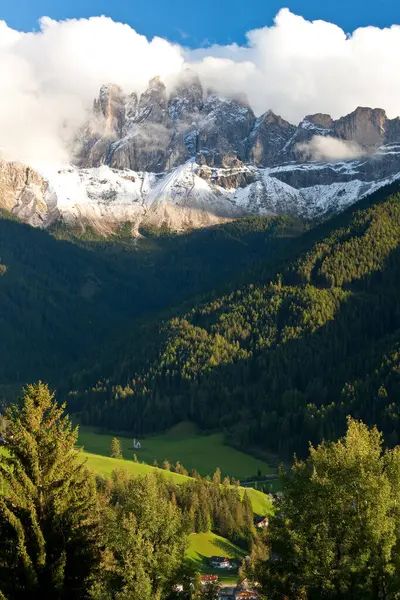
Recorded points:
264,328
278,360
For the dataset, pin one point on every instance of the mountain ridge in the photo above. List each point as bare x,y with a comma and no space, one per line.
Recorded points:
191,159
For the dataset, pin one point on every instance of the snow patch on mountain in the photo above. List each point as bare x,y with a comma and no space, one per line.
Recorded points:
187,197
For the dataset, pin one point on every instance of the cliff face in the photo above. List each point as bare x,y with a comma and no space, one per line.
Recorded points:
25,193
159,131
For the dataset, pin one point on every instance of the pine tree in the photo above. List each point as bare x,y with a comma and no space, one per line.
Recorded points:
217,476
248,515
48,511
115,450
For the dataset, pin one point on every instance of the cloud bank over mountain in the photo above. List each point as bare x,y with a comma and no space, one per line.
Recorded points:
295,67
326,148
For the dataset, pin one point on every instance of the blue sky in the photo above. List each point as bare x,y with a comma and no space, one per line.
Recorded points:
199,23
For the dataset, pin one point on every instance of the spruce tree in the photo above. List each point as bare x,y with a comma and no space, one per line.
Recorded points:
48,509
248,516
217,476
115,450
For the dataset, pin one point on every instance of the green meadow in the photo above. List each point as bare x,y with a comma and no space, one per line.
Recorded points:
104,465
204,545
184,444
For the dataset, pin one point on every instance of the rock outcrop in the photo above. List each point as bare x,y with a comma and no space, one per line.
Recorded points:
159,131
26,194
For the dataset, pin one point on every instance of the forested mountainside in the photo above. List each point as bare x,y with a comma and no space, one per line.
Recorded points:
59,301
276,362
261,327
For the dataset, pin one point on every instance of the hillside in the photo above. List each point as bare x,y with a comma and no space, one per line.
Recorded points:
204,545
275,364
55,290
104,465
256,328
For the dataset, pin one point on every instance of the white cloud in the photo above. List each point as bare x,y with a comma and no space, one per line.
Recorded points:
321,148
295,67
50,78
298,67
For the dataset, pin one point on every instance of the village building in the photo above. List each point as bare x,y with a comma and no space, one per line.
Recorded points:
227,593
237,593
246,595
221,562
208,579
261,522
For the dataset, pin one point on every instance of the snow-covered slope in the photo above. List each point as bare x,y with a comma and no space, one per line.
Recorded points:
103,198
189,196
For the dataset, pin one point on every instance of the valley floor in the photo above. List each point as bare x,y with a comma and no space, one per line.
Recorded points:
184,444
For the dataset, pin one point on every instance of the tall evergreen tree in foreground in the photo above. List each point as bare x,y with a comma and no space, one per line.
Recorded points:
336,533
48,508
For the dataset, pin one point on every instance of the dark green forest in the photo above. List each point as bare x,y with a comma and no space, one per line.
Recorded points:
278,362
263,328
67,296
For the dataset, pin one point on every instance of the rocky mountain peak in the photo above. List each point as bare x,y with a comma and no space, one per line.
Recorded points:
223,131
270,118
186,99
153,103
320,120
156,92
110,105
158,132
366,126
267,139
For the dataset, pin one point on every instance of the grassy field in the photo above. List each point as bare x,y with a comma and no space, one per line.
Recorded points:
204,545
105,465
182,443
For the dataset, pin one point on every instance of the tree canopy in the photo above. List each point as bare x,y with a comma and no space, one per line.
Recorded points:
48,514
336,530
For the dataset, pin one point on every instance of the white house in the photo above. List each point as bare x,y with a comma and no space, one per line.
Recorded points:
220,562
